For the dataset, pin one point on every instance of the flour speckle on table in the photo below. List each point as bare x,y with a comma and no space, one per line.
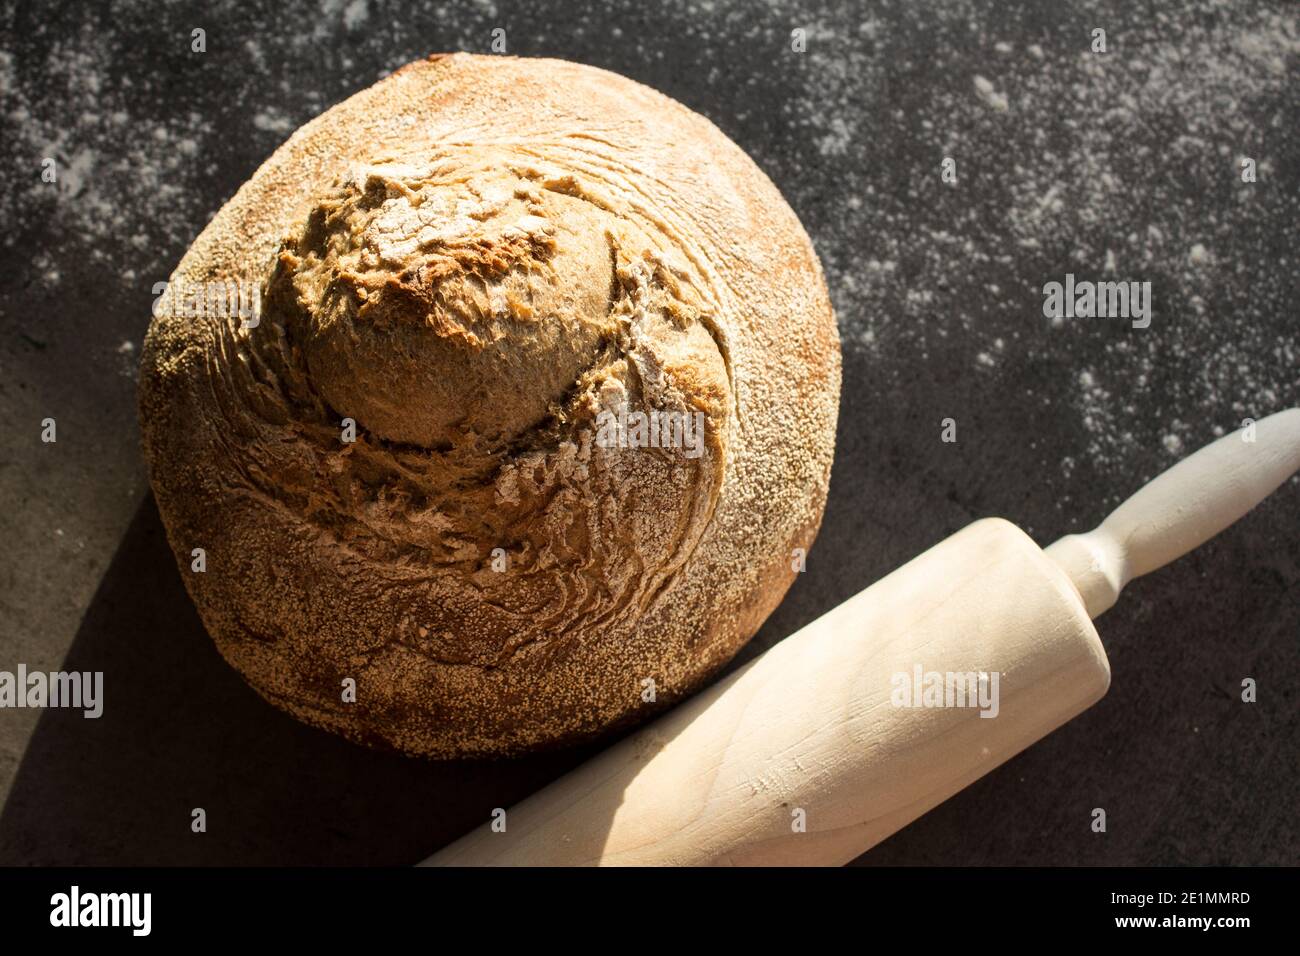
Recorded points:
1123,166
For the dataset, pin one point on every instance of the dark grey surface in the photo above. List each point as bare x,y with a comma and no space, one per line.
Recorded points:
937,290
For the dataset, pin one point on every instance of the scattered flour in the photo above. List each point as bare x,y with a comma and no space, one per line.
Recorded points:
1123,165
991,96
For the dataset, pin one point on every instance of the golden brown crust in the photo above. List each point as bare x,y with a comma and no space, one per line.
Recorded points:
473,260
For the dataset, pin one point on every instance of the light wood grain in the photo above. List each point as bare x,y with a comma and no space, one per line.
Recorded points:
810,725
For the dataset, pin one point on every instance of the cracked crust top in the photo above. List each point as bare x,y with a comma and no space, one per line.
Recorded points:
469,269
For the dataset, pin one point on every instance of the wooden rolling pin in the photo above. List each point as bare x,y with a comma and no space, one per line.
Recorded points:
816,751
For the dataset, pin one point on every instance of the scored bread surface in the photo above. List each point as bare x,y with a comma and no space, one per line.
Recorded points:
468,263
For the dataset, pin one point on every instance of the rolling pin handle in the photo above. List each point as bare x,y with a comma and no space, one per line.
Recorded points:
1181,509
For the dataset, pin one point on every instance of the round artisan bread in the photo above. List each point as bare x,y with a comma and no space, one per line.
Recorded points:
539,403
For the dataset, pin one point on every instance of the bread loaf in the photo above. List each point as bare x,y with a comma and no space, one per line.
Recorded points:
422,471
